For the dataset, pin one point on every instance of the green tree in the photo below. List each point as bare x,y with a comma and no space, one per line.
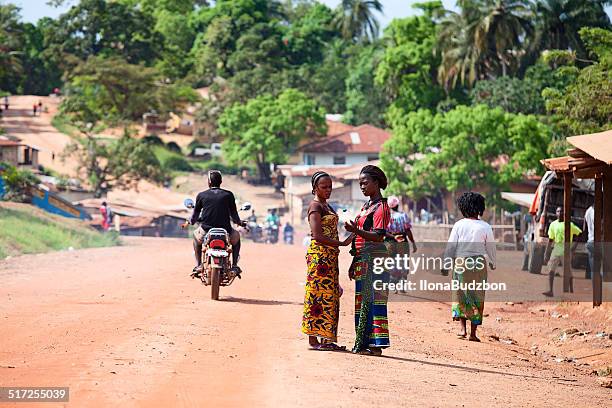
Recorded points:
465,148
113,164
585,106
104,28
517,95
266,129
485,39
356,21
111,90
407,70
366,102
558,23
10,47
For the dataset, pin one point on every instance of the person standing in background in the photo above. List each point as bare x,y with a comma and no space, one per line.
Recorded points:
589,225
556,248
104,213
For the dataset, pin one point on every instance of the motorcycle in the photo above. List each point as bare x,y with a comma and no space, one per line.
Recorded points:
216,257
255,231
271,233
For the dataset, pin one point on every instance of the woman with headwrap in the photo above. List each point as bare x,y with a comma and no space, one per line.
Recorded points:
371,323
322,300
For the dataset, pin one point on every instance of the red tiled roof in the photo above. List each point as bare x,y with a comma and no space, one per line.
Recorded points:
361,139
335,127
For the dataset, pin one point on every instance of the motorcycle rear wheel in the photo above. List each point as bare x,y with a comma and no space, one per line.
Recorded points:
215,283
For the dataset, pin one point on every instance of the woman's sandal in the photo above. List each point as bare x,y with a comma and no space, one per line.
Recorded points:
370,352
328,347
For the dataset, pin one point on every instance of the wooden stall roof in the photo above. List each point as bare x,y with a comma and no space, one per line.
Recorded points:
591,154
596,145
560,164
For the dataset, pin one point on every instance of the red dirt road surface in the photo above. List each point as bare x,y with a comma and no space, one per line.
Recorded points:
126,327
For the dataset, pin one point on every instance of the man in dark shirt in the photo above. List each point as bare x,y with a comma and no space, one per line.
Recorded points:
214,208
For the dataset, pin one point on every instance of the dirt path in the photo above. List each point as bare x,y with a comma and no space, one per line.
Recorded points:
126,327
37,131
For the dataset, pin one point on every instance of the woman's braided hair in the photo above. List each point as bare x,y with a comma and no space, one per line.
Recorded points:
375,173
316,177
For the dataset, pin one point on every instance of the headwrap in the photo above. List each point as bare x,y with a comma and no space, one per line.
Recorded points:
393,201
318,175
375,173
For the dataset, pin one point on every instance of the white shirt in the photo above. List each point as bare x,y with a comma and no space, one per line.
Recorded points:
471,237
589,218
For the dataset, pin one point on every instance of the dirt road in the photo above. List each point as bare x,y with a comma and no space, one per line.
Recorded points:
126,327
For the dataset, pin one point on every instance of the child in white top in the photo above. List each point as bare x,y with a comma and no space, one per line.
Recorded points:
470,238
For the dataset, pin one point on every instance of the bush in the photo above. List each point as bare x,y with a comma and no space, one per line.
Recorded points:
177,163
17,183
173,147
153,140
216,165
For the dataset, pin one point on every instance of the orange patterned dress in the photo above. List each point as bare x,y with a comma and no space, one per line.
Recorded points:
322,300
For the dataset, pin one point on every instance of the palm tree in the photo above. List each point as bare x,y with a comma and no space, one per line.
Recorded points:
558,23
461,57
355,19
484,40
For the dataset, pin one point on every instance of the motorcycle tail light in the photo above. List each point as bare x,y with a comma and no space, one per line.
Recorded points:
217,244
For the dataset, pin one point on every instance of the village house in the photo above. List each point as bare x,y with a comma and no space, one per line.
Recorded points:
17,153
353,145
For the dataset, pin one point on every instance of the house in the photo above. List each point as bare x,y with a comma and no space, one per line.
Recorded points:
353,145
346,196
18,154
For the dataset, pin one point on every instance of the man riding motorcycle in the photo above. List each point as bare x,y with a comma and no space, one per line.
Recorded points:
213,209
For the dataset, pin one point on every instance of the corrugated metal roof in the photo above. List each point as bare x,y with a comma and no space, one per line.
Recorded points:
597,145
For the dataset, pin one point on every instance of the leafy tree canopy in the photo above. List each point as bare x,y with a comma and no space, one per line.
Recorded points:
266,129
465,148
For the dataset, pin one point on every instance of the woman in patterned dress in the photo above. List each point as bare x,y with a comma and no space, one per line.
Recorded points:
371,323
322,300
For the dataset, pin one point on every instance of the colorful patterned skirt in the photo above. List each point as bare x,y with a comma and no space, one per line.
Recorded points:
322,300
469,304
371,322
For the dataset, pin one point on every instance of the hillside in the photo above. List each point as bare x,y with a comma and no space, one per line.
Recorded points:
25,229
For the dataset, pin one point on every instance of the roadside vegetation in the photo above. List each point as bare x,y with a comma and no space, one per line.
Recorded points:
25,229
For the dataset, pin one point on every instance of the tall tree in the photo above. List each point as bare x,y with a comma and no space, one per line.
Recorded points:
266,129
465,148
105,28
10,47
112,164
558,24
407,70
356,21
111,90
484,40
585,106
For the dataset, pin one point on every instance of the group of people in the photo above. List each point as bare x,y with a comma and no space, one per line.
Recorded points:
379,221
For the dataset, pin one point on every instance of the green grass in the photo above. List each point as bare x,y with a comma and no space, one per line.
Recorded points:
26,230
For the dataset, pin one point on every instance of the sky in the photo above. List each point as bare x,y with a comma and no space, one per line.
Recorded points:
32,10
